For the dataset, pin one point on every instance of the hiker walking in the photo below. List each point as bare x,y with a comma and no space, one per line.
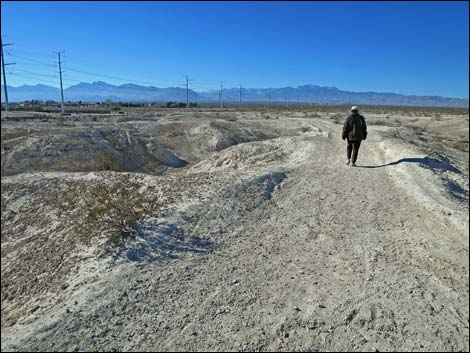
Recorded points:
354,130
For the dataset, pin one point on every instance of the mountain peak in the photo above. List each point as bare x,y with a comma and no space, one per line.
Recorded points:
100,83
129,92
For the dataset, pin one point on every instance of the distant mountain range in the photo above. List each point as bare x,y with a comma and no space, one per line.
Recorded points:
101,91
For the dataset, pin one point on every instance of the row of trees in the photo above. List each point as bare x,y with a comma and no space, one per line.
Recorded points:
106,104
180,105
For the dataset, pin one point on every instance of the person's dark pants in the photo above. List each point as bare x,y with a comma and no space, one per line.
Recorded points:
353,148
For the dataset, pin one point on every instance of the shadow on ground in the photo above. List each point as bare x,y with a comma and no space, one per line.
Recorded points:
425,162
156,243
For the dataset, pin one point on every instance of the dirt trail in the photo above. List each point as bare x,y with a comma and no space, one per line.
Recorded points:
334,259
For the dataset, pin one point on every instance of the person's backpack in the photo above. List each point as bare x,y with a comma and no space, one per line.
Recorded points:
357,127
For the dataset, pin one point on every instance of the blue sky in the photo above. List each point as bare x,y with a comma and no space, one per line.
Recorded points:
404,47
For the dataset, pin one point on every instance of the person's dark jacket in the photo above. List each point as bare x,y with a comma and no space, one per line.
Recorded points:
355,128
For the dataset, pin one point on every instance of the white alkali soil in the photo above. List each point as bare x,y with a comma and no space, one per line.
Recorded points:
263,241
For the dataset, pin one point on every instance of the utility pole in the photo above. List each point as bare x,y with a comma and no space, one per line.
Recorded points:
61,86
221,95
267,96
4,76
240,94
187,91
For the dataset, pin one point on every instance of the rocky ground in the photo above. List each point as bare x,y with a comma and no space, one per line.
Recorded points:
235,231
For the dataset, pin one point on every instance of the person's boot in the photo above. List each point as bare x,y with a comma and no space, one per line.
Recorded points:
348,162
354,165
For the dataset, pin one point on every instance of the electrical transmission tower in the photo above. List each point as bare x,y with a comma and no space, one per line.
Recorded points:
221,95
187,91
4,76
61,86
240,94
267,96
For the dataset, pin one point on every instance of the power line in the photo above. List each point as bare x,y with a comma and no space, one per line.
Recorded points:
4,75
96,75
117,78
200,85
88,73
34,73
32,77
32,60
29,52
68,78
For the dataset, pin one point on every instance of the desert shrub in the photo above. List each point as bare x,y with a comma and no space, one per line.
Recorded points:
179,105
337,118
106,161
378,122
61,119
108,209
461,145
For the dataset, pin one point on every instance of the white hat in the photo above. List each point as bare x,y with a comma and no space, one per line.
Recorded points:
355,108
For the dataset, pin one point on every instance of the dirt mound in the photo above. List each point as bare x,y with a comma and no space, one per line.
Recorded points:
79,150
285,152
150,146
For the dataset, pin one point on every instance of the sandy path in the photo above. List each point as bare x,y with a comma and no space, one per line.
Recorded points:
340,259
343,260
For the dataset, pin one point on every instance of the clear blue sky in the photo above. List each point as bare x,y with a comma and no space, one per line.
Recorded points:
405,47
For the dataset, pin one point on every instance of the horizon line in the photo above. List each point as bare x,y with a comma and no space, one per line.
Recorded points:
246,88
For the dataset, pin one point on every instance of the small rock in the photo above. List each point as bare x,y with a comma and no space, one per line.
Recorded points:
36,308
